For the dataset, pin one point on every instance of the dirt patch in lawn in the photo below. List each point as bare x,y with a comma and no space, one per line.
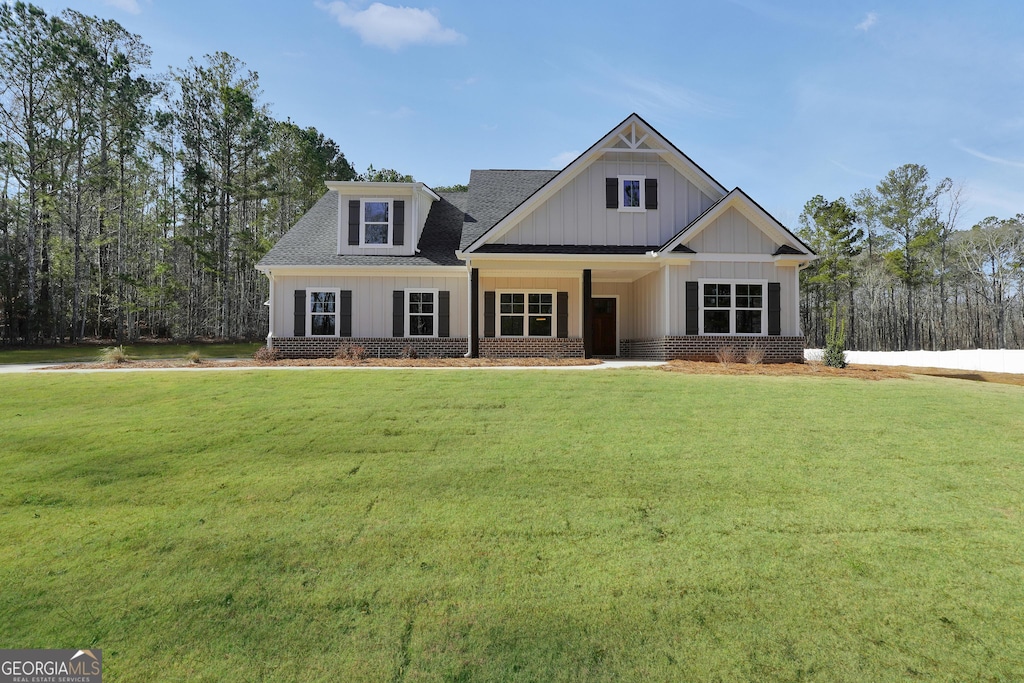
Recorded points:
969,375
783,369
334,362
872,372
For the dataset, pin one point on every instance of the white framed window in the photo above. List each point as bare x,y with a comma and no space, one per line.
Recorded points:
322,312
526,314
421,312
631,193
376,219
733,307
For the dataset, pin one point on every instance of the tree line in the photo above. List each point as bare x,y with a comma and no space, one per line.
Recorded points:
898,269
136,204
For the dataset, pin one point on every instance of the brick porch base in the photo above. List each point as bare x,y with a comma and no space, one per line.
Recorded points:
694,347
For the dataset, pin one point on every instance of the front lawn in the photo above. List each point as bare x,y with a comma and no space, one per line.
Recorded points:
514,525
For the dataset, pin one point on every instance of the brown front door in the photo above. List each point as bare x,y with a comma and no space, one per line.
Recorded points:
605,337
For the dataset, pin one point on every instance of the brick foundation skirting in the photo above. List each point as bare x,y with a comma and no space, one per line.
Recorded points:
376,347
531,347
694,347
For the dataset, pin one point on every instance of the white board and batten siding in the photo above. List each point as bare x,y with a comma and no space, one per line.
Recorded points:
737,271
649,306
577,213
371,300
731,233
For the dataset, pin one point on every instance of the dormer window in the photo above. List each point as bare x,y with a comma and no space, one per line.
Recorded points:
375,223
376,219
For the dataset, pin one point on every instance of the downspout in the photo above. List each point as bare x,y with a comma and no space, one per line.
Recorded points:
270,304
667,294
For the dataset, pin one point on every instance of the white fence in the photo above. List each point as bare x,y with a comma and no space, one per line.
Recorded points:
978,360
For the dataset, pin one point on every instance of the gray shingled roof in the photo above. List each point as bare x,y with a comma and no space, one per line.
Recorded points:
313,241
494,194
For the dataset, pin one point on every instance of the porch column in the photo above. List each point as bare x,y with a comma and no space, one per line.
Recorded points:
588,310
474,313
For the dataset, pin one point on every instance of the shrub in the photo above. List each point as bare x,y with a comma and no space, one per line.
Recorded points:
727,355
755,354
408,352
351,353
194,357
114,354
834,354
266,355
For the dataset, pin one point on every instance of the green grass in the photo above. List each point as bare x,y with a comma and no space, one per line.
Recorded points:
520,526
87,353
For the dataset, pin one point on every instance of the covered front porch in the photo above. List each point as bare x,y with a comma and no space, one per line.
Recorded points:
638,307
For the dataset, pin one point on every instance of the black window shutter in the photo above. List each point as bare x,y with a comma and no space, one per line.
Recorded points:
345,313
443,316
398,313
611,193
353,222
692,308
488,314
650,193
775,308
398,223
300,313
562,304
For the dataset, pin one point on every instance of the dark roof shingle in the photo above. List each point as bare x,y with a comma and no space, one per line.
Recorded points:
313,241
493,194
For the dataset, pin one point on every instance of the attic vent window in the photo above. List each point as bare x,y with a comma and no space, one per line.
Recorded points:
635,193
631,193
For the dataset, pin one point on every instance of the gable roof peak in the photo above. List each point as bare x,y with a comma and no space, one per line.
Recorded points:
647,140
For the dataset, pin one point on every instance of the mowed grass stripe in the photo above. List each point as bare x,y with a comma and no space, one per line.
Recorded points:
514,525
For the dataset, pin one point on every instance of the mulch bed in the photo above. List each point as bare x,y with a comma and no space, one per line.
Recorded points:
783,369
335,363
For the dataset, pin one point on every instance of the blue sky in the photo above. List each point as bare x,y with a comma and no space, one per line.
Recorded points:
784,99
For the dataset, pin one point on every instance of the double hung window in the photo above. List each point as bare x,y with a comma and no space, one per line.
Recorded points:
376,219
421,311
526,314
733,307
322,312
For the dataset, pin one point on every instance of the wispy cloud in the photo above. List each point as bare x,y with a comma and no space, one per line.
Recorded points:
987,157
402,112
390,27
562,160
130,6
854,171
465,83
870,20
991,200
651,94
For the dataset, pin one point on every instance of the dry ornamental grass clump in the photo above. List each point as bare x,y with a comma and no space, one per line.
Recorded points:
114,354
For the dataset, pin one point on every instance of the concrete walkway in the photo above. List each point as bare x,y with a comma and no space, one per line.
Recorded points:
56,367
